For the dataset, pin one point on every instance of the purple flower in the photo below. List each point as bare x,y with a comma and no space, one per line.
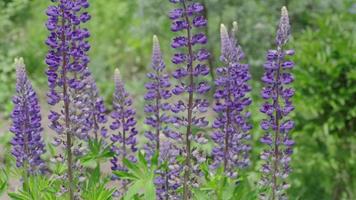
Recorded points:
27,143
277,106
67,60
94,109
124,122
187,114
231,126
159,137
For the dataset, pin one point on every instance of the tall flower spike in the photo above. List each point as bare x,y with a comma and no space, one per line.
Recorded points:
190,66
277,94
95,116
67,59
160,137
123,115
27,143
157,92
231,126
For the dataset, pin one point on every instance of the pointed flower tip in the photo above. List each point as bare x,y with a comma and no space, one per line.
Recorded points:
19,62
155,39
223,28
223,32
20,67
284,11
235,26
156,46
225,41
117,74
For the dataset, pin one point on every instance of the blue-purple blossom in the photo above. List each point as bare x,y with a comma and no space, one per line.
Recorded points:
94,109
27,143
277,93
67,61
190,68
158,90
160,137
124,123
231,125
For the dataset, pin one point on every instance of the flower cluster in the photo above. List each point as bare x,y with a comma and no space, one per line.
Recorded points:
123,115
189,60
277,106
231,125
95,109
157,91
67,57
161,139
27,143
67,61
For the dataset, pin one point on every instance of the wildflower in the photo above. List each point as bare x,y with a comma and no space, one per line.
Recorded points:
231,125
124,122
27,143
278,105
189,60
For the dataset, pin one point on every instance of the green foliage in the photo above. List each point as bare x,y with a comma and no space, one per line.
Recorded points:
39,187
216,185
4,178
11,33
325,153
141,176
98,152
95,186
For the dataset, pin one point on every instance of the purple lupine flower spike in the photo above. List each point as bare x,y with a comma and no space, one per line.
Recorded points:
277,94
27,143
160,137
157,91
189,58
231,126
124,122
95,110
67,60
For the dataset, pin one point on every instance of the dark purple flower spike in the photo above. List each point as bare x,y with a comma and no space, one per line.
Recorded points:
158,90
277,94
186,18
160,137
27,143
67,60
231,126
124,122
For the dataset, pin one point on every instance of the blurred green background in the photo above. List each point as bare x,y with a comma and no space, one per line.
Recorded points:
323,35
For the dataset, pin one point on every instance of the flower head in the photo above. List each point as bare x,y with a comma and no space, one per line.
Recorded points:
124,122
67,62
231,126
27,143
277,94
190,60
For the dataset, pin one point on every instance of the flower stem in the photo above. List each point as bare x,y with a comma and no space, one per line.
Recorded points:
276,138
187,168
66,113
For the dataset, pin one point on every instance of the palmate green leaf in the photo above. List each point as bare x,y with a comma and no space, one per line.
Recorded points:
95,186
126,175
39,187
98,192
134,188
133,168
217,185
142,175
97,152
